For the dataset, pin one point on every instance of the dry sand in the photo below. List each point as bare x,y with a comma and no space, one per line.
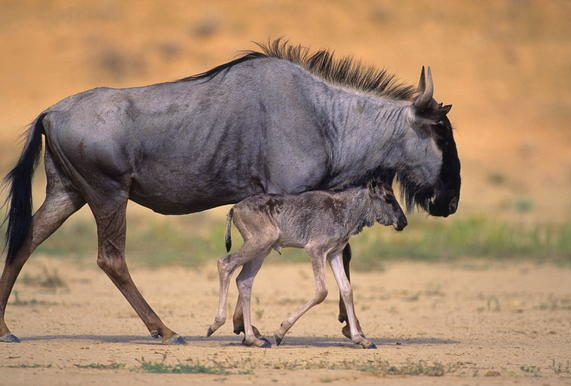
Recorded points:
500,63
500,324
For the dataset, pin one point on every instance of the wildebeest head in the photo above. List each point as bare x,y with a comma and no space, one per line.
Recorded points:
440,196
387,209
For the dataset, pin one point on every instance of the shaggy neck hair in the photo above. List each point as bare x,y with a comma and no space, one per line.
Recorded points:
346,72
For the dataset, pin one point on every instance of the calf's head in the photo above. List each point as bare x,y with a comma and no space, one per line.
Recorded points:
386,207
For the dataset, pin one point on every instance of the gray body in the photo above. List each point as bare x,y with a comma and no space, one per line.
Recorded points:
321,223
175,146
259,124
330,217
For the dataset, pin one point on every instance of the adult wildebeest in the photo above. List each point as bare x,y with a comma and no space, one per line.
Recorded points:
281,120
321,222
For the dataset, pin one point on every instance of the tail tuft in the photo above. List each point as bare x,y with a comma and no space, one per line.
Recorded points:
19,215
228,234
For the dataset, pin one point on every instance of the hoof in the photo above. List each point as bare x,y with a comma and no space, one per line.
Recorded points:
240,330
372,346
261,343
267,342
9,338
176,340
346,332
342,318
209,332
278,340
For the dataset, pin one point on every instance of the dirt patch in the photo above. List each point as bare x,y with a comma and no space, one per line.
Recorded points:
446,324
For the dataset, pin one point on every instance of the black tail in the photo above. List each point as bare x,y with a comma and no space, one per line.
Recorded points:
228,234
19,215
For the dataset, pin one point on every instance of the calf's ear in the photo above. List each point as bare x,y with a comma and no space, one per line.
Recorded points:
372,187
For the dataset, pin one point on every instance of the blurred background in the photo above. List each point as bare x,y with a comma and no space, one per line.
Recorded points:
505,66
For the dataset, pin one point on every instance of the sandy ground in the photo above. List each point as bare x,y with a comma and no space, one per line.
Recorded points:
500,324
488,58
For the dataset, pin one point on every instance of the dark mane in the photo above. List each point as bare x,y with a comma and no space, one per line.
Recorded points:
223,67
344,72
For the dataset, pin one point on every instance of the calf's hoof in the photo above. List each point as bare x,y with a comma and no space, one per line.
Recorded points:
175,340
239,330
278,339
346,331
9,338
365,343
218,322
342,318
261,343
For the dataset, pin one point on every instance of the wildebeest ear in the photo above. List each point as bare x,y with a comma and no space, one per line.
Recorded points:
445,109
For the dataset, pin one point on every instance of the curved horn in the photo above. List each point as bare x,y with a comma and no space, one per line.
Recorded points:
422,81
428,89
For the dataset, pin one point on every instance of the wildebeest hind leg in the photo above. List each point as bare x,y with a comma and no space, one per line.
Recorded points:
57,207
111,226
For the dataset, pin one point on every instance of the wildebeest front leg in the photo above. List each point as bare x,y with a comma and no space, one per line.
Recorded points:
111,226
357,336
318,264
347,254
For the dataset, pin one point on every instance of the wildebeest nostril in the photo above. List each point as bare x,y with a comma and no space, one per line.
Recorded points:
400,224
453,205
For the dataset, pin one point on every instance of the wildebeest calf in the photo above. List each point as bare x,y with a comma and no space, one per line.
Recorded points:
321,222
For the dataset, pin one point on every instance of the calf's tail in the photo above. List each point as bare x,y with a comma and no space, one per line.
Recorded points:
228,234
19,200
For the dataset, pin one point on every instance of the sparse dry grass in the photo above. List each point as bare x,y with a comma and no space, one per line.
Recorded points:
196,239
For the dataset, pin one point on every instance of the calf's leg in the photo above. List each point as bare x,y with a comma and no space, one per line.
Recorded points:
357,337
318,264
238,321
347,254
245,281
226,266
